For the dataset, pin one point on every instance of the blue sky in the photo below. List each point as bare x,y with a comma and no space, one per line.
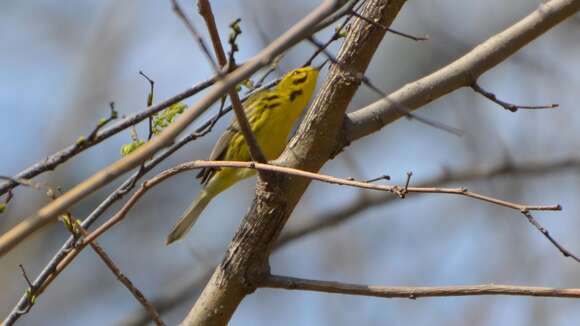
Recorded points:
61,63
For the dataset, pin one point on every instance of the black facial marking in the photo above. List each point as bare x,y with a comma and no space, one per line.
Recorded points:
295,94
299,80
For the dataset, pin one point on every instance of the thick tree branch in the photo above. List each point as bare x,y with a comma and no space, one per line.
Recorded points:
364,203
246,261
461,73
49,212
292,283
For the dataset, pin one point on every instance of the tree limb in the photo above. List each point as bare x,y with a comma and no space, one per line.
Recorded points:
463,72
412,292
49,212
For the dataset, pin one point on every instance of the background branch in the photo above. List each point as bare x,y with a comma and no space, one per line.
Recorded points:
246,260
293,283
463,72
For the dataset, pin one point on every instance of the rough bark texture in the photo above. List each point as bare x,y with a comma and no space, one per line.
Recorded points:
246,262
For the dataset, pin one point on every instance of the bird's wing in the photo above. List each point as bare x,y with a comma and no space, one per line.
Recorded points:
219,150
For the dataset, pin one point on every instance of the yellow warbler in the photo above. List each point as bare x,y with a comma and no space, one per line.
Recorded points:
271,114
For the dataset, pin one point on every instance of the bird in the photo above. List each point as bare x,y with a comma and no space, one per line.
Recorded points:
271,115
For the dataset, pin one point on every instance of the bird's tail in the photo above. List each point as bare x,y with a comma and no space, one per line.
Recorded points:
189,218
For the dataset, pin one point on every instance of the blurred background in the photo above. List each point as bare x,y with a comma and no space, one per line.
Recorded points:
62,62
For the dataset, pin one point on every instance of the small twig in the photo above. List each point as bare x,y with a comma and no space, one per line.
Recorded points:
366,81
25,275
372,22
293,283
207,14
76,226
54,160
57,264
262,78
290,171
382,177
405,189
31,296
149,103
545,232
112,116
509,106
197,37
337,33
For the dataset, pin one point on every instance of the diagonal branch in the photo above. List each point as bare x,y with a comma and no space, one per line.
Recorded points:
137,294
461,73
246,260
174,296
49,212
358,206
46,275
255,151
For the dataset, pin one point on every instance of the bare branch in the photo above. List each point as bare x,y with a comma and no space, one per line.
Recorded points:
508,106
49,212
379,25
171,298
546,234
54,160
179,12
293,283
367,82
137,294
461,73
49,272
344,214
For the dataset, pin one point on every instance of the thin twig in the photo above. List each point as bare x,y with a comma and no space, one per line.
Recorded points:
305,27
207,14
51,270
290,171
149,102
412,292
509,106
372,22
179,12
103,122
545,232
328,220
367,82
137,294
460,73
54,160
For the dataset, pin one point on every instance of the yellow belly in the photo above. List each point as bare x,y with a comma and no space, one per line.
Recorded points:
271,135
